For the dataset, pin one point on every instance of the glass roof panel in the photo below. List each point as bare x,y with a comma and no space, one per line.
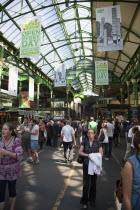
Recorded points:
69,14
57,36
86,25
83,12
71,26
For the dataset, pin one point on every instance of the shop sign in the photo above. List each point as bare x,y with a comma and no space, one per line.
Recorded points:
30,37
101,72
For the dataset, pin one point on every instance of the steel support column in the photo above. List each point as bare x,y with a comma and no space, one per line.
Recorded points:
67,91
128,92
121,91
135,90
37,98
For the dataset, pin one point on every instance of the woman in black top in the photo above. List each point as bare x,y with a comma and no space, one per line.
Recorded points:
116,134
90,145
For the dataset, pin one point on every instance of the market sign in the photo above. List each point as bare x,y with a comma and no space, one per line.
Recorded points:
31,89
30,37
101,72
13,81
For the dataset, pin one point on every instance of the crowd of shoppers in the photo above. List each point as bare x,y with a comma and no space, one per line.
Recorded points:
84,134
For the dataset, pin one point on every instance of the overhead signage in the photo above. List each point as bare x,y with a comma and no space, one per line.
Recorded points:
13,81
57,113
108,27
56,99
101,72
30,37
60,75
107,98
31,89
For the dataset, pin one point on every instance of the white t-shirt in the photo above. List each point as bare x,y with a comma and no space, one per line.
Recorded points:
131,134
35,137
110,129
67,131
106,136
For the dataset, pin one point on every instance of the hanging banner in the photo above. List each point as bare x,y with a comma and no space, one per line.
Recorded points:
0,75
30,37
58,114
60,76
13,81
108,27
101,72
31,89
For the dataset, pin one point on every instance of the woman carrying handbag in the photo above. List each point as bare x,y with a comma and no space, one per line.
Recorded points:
105,142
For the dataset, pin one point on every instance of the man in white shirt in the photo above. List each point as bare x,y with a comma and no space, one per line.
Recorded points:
110,130
130,146
34,140
67,133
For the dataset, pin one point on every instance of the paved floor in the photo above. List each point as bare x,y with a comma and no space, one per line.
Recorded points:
53,184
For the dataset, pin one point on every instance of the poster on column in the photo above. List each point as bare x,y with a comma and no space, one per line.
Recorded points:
109,30
31,89
13,81
60,75
58,114
101,72
30,37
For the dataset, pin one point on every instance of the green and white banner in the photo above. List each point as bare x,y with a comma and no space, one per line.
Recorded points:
101,72
31,89
30,37
13,81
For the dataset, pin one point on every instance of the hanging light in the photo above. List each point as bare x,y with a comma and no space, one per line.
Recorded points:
67,3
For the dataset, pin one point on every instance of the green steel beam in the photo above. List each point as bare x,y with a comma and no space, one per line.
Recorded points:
131,23
89,18
72,7
129,67
10,18
24,64
92,52
79,26
86,56
19,63
43,30
60,17
7,3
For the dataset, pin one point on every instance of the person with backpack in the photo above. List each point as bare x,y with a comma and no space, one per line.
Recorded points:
105,142
85,128
11,153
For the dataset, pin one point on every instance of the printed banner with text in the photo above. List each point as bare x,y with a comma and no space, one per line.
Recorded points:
101,72
109,30
58,114
60,75
13,81
31,89
30,37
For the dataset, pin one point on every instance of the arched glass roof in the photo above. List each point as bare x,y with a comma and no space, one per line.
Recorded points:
69,35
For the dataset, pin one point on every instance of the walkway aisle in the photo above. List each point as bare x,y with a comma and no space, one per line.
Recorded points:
41,185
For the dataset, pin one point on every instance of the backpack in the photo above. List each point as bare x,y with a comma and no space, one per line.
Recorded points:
102,136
